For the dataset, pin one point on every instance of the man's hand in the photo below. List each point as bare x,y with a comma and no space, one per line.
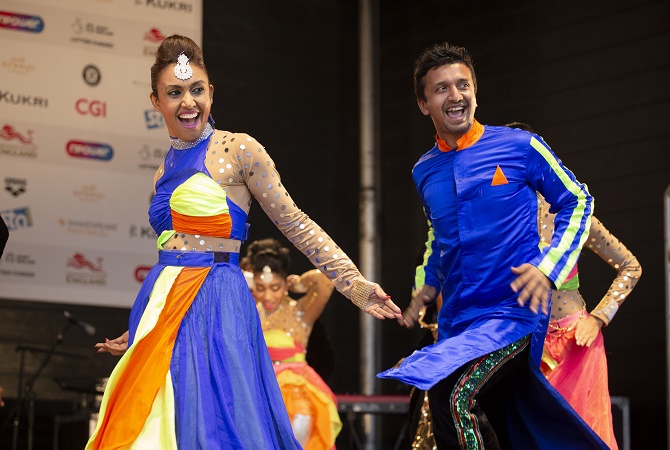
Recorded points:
116,347
425,295
380,306
586,330
531,284
2,403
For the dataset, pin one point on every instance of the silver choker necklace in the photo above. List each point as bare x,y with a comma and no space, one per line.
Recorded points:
178,144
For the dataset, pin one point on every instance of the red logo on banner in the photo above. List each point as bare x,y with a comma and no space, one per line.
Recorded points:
95,108
79,261
154,35
9,133
141,273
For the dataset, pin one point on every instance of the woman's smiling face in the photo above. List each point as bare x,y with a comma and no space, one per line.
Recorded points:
184,104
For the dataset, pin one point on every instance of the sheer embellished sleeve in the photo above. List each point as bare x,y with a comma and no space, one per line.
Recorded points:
248,163
611,250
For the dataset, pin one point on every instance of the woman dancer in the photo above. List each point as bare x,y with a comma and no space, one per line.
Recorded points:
287,325
574,358
197,372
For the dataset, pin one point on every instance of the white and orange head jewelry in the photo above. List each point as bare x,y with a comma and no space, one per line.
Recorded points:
183,69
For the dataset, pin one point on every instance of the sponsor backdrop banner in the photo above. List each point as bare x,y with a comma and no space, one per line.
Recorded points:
79,144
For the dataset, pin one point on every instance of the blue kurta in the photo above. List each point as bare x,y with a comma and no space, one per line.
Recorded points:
481,206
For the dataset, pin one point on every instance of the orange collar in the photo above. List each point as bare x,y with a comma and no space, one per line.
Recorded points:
465,141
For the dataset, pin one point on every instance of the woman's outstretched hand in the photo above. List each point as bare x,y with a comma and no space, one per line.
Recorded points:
381,306
116,347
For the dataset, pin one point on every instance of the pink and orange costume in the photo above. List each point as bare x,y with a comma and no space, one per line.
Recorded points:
287,330
579,373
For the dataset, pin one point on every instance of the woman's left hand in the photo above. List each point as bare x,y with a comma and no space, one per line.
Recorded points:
381,306
586,331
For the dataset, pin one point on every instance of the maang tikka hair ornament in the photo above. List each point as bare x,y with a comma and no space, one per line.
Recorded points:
266,276
183,69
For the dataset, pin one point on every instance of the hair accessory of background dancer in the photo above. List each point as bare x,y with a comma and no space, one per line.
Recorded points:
267,276
183,69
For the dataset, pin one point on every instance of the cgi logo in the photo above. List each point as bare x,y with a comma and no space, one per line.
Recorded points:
17,218
141,273
79,261
92,150
153,119
21,22
15,186
95,108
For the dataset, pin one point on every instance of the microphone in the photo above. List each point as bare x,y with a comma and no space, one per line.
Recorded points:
88,328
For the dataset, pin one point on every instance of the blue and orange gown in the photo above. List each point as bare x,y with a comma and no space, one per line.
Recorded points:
197,374
481,205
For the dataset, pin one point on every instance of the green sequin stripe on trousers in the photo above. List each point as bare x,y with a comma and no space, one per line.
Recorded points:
468,386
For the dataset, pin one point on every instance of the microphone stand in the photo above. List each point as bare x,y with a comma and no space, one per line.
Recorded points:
28,393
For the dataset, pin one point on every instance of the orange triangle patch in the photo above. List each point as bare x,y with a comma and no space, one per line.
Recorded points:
499,177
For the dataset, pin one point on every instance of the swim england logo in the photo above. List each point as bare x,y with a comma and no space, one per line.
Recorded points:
84,271
16,143
169,5
154,37
21,22
91,75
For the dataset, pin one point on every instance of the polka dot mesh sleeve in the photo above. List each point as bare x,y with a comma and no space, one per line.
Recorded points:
245,164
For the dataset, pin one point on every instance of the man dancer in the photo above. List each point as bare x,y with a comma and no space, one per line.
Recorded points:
477,185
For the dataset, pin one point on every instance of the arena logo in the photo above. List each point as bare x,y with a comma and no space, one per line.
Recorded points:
153,119
141,273
91,75
88,227
95,108
15,186
89,33
18,65
21,22
87,272
17,144
179,6
14,98
17,218
88,193
90,150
